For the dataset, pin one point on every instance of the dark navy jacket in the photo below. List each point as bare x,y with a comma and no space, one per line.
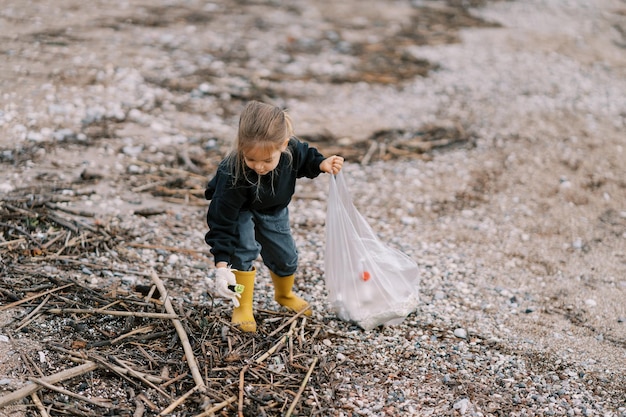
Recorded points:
228,199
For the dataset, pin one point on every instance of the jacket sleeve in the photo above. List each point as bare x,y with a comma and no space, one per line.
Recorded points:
223,216
307,159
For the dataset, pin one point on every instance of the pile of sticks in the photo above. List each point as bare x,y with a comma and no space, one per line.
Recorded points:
174,185
40,225
142,353
390,144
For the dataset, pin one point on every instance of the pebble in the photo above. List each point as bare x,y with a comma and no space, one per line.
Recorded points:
591,302
460,333
462,406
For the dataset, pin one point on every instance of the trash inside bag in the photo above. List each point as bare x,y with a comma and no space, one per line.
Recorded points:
368,282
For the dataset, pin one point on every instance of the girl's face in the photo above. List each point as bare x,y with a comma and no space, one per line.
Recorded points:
262,159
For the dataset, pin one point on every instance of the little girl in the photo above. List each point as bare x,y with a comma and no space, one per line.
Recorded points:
248,212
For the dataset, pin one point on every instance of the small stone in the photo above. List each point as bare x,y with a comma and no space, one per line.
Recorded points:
50,269
408,220
133,151
591,302
134,169
460,333
64,134
129,279
462,405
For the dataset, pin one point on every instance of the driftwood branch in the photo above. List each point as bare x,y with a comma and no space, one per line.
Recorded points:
12,242
26,320
139,376
277,346
39,405
112,312
241,390
32,387
370,151
140,330
100,402
104,364
288,322
139,408
302,388
217,407
142,375
169,170
182,334
22,232
273,349
32,297
179,401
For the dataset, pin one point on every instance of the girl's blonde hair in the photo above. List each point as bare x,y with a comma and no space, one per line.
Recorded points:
263,125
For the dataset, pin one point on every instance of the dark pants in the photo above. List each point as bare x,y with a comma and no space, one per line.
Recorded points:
270,236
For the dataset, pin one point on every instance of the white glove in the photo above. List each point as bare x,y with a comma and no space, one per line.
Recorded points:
223,278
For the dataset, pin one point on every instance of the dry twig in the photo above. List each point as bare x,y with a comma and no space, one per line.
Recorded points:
182,334
52,379
112,312
100,402
301,390
32,314
210,412
37,401
32,297
241,390
179,401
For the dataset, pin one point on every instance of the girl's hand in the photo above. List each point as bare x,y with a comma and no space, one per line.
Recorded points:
332,164
224,278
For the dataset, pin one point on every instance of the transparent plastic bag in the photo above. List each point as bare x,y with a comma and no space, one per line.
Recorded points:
368,282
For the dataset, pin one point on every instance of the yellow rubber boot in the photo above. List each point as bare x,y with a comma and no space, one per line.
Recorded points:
284,295
243,316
